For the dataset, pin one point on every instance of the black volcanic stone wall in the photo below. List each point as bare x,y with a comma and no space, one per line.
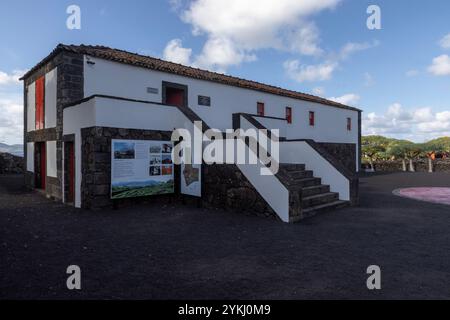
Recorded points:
70,83
345,153
224,186
420,165
96,161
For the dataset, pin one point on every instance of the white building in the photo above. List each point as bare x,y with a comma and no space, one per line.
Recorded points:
80,99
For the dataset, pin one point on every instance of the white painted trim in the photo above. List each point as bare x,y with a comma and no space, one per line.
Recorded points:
31,107
300,152
30,156
51,80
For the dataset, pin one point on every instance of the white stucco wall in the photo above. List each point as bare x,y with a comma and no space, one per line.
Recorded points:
30,156
31,107
115,79
118,114
51,159
300,152
50,98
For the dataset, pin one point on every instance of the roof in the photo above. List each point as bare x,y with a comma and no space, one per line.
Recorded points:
147,62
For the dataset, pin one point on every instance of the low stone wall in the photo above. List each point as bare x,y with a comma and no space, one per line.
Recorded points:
421,165
345,153
10,164
224,186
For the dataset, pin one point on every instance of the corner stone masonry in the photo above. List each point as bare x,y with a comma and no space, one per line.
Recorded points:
96,161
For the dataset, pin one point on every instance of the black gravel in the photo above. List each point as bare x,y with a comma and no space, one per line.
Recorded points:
168,251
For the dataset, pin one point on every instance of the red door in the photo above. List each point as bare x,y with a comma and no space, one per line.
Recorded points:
71,172
41,165
260,109
289,115
175,97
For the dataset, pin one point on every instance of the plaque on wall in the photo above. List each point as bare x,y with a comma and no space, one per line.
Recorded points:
204,101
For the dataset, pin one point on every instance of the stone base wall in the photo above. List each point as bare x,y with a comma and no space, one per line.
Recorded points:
344,152
96,161
29,179
10,164
224,186
421,165
53,188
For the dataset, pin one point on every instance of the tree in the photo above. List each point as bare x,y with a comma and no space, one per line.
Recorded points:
399,151
431,149
412,152
371,153
444,144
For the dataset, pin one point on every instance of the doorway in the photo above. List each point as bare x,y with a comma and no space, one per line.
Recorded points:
175,94
40,165
69,167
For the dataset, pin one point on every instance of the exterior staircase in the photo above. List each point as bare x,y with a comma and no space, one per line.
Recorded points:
308,196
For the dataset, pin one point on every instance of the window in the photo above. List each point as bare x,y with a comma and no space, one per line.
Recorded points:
349,124
289,115
260,109
40,103
312,120
204,101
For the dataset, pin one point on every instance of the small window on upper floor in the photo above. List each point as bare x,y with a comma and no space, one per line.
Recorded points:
349,124
312,119
289,115
260,109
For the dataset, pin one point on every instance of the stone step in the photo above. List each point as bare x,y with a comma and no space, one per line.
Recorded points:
311,211
292,166
311,191
297,174
318,199
307,182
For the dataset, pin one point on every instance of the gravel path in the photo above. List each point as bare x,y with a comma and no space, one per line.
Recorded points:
167,251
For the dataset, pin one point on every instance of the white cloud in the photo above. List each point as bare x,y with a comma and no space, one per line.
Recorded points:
440,66
11,119
368,80
11,79
236,29
324,71
305,40
412,73
175,52
350,99
445,42
219,53
319,91
11,107
353,47
302,73
419,125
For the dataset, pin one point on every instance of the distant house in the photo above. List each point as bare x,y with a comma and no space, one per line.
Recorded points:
79,98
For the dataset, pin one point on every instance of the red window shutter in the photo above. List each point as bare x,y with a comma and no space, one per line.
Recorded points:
40,97
312,120
349,124
289,115
260,109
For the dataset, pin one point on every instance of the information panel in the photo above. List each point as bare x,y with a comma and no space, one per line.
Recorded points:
141,168
191,177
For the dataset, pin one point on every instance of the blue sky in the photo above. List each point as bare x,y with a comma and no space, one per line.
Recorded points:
399,75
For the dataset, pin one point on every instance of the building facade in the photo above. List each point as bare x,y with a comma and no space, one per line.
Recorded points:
80,99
